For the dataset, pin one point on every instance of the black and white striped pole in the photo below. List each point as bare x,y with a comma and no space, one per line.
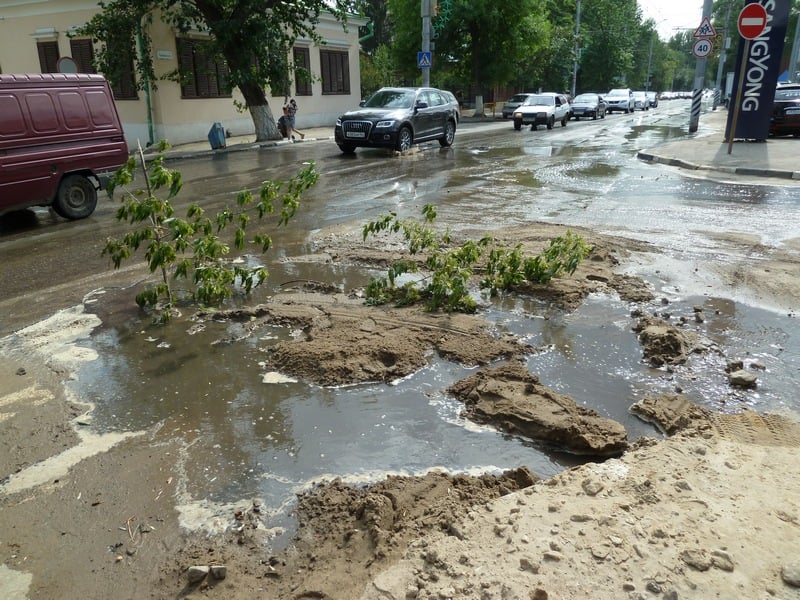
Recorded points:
699,75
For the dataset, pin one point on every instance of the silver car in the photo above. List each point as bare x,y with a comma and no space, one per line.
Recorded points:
512,103
640,101
619,99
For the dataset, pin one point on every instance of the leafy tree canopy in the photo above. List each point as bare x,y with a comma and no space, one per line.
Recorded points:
253,37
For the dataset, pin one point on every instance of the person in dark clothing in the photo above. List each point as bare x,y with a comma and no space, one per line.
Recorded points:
289,112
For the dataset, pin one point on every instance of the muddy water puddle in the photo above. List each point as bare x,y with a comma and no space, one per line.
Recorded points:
252,433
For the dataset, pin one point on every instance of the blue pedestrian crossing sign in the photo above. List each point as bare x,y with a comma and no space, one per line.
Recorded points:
424,60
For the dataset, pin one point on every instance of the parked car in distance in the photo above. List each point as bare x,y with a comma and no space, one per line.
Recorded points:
60,140
542,109
512,103
652,98
451,97
619,99
640,101
785,119
588,105
398,117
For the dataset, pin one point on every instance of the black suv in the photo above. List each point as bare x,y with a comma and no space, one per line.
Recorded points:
785,119
397,118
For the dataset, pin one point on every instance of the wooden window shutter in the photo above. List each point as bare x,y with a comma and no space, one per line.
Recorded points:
186,68
48,56
302,71
83,54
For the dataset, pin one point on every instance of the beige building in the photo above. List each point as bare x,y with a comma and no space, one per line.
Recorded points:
35,37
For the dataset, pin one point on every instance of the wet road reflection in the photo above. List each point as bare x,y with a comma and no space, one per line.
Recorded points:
249,438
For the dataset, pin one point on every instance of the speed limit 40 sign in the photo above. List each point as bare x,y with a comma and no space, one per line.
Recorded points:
702,48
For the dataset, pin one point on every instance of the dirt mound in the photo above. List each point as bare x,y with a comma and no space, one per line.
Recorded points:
666,344
672,413
365,529
512,399
341,341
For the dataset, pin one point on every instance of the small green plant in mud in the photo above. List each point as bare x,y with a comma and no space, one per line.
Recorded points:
192,248
446,286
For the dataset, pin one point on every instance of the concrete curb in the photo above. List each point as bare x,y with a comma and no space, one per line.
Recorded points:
181,154
689,166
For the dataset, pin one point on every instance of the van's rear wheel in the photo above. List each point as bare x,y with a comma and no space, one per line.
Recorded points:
76,198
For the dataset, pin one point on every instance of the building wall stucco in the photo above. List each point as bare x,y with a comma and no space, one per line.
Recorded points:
173,118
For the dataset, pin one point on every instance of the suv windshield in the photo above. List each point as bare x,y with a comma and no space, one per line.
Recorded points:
391,99
585,98
541,101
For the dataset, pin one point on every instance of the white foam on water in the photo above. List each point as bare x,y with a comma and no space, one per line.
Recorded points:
59,465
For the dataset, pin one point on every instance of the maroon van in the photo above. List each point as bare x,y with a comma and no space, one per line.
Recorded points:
60,139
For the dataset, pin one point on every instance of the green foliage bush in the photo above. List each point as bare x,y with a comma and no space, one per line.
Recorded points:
192,248
446,287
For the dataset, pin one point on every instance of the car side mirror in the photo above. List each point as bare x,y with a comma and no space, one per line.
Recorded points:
421,104
362,103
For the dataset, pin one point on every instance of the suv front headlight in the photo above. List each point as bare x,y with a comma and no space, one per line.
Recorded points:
384,124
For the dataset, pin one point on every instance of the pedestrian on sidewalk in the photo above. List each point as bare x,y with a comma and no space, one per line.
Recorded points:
289,112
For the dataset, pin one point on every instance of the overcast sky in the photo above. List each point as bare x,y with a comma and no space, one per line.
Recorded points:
672,14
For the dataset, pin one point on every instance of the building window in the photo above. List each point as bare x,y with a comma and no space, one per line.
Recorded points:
83,54
123,82
48,56
203,75
335,67
302,71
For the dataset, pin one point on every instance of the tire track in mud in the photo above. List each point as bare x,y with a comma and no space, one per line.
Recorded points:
758,429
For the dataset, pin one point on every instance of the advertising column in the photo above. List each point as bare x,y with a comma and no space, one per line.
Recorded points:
762,30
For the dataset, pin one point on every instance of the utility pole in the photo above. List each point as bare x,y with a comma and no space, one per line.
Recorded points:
794,68
699,79
723,54
426,40
577,47
649,65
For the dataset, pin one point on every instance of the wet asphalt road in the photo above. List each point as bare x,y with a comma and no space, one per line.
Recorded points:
492,176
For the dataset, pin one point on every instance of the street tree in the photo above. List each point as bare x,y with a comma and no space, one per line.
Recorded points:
483,43
253,37
377,70
609,36
377,32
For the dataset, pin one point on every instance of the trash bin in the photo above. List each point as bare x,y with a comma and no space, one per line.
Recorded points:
216,136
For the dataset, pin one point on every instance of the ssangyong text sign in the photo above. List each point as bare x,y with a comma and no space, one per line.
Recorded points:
755,79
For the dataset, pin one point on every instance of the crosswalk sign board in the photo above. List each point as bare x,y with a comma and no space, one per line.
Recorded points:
424,60
705,30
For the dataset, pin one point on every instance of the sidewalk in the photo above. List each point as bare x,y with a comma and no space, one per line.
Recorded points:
707,150
241,143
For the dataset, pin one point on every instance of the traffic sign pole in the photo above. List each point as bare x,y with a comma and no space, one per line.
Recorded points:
742,69
426,39
699,78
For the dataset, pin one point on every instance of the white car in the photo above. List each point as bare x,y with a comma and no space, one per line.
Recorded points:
640,101
542,109
620,99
